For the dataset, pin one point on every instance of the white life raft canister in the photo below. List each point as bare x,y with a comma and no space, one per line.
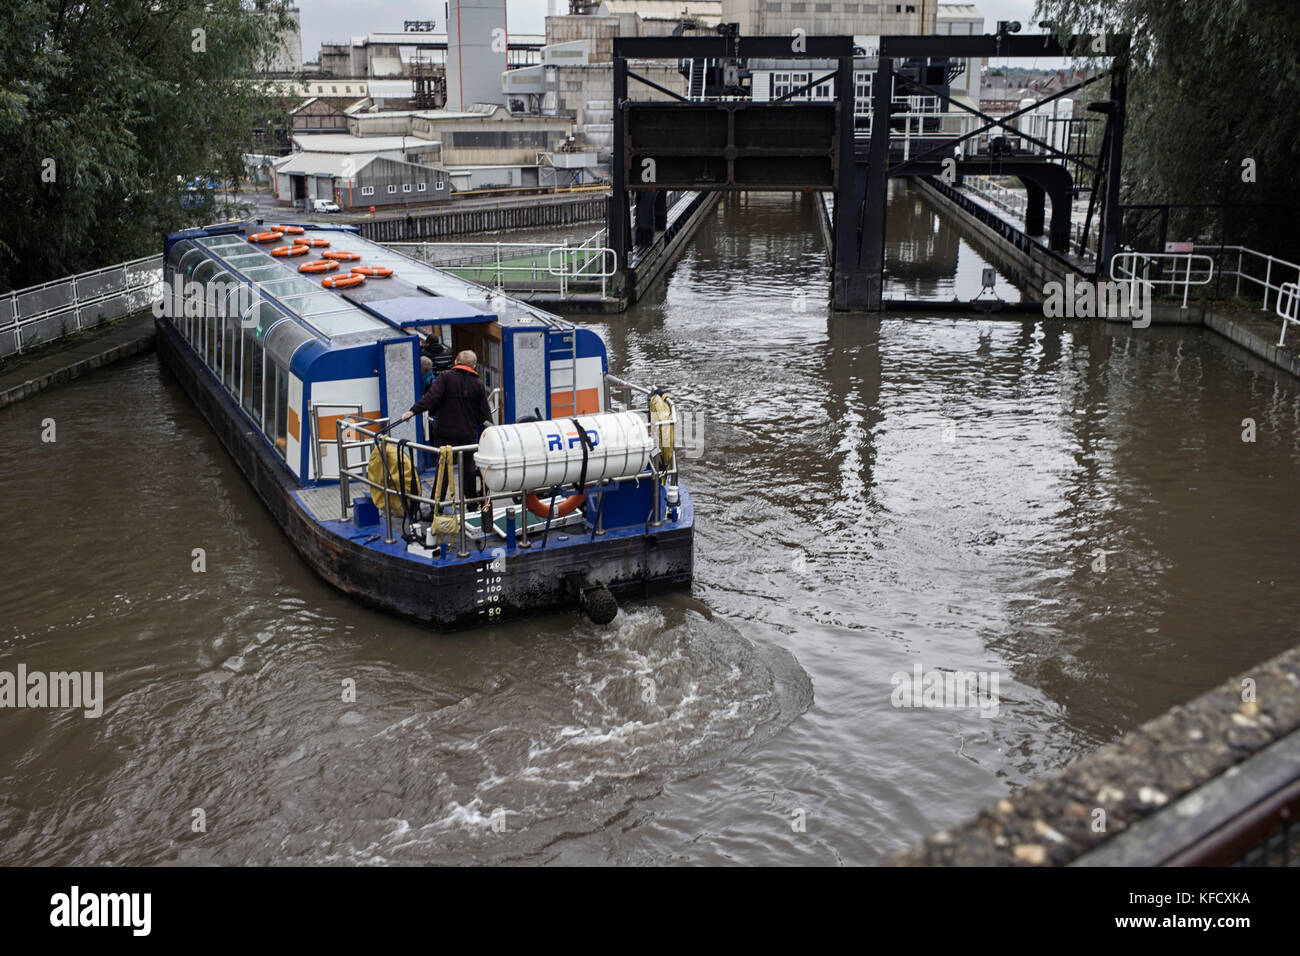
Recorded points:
532,455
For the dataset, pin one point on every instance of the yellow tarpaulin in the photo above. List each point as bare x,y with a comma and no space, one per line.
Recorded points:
375,472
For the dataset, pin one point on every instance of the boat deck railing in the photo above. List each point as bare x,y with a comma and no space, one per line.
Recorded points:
358,432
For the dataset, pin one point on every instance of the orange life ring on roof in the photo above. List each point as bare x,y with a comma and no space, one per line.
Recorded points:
287,251
318,265
567,507
375,272
341,256
314,243
343,282
291,230
265,236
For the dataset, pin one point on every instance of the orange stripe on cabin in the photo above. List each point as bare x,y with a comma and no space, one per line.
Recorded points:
329,428
293,424
562,403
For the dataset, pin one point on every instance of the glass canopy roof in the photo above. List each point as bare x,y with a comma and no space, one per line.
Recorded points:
327,313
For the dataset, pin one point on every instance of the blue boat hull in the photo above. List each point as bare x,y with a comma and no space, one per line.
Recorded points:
481,590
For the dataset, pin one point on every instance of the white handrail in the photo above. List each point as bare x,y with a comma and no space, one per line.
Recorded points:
1131,263
1270,262
1288,307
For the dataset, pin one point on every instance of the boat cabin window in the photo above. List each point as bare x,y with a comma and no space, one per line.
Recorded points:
178,250
280,429
316,303
257,320
219,242
259,273
250,354
214,306
250,258
201,273
192,257
280,343
233,342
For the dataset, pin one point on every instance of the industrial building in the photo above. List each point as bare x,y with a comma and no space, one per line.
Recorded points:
476,51
431,152
478,108
287,58
488,134
316,115
382,56
927,115
358,181
575,77
404,147
833,18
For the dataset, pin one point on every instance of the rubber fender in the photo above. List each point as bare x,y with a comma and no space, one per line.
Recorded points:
599,605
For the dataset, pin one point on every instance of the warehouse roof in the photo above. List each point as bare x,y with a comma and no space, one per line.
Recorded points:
331,164
345,143
323,164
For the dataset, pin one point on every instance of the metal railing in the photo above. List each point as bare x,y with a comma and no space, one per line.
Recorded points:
1260,271
373,434
42,313
1288,307
313,417
1013,200
521,262
1016,202
1131,267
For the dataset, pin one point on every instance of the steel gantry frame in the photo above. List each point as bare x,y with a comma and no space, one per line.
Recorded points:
864,280
738,144
721,145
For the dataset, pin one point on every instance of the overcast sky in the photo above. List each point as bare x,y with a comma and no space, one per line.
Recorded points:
324,20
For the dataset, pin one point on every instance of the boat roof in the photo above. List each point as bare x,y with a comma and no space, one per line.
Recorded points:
417,294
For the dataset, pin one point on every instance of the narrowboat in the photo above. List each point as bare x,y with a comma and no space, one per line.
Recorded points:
300,344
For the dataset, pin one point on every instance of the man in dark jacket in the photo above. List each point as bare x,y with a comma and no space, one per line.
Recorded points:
459,404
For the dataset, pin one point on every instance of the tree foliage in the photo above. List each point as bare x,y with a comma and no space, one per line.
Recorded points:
1211,83
107,109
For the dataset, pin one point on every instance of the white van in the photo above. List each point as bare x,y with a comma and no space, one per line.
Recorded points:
324,205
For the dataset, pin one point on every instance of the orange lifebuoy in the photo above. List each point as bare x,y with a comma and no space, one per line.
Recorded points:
342,256
318,265
314,243
265,236
285,252
343,282
375,272
291,230
567,507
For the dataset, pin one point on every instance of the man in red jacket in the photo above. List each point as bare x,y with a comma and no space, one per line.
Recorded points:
459,404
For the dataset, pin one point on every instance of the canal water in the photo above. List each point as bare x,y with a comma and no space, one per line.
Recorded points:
873,494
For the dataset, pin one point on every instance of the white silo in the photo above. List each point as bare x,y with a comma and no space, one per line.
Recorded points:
476,52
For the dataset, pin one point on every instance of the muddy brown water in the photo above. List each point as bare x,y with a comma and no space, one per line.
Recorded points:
872,494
